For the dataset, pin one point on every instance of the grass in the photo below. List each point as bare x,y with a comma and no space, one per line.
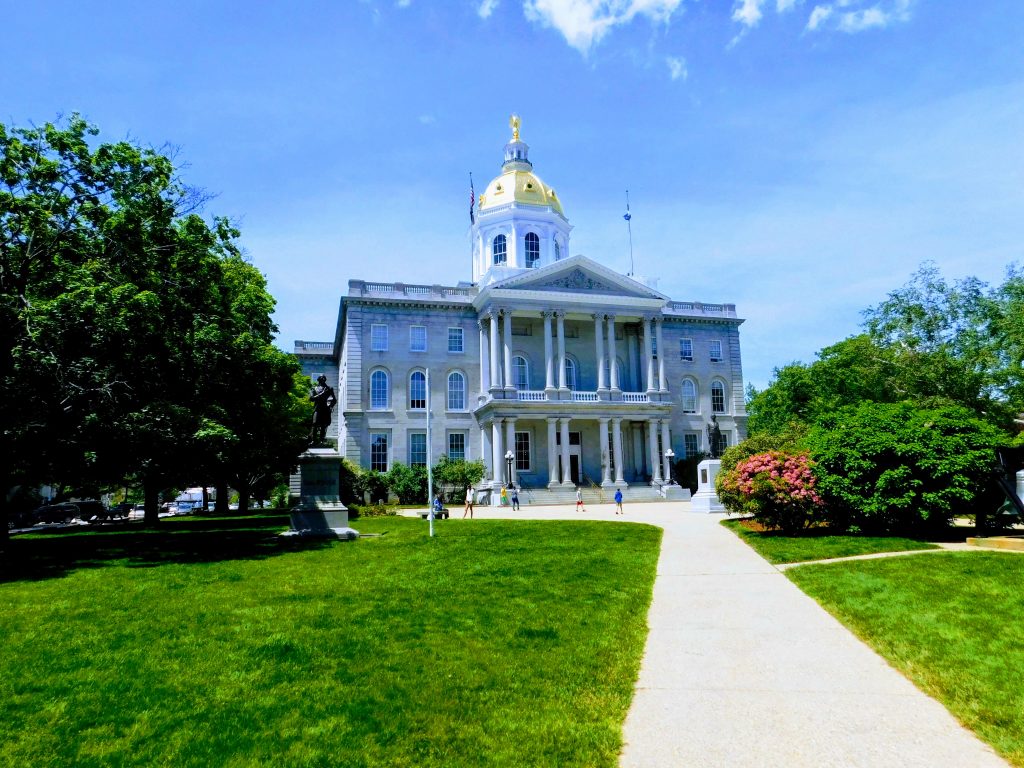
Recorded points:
209,642
818,544
953,623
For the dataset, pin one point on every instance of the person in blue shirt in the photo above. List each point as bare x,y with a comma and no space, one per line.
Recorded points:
618,501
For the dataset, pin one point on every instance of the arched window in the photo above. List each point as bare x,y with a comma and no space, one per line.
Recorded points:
619,371
520,372
717,397
689,396
570,373
417,391
532,249
558,251
456,392
498,249
380,394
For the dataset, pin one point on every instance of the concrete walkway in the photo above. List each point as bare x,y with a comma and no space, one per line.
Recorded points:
743,669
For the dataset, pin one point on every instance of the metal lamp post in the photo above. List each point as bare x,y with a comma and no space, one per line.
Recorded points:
509,458
670,454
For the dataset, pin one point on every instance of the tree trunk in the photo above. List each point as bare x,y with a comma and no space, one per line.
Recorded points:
221,505
243,499
151,497
206,500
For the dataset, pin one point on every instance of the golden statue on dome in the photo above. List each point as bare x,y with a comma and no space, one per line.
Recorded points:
515,122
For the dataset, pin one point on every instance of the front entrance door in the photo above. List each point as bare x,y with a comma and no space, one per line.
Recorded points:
575,461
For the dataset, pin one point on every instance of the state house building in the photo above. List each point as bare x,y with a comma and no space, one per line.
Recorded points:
585,375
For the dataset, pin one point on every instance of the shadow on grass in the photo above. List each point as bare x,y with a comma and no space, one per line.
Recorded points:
951,534
55,552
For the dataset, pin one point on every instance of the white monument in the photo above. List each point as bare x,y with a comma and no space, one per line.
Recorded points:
706,500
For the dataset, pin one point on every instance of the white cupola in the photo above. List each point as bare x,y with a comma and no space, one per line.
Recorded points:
518,220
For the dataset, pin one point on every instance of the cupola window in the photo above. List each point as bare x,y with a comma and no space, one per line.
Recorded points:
498,249
532,249
558,251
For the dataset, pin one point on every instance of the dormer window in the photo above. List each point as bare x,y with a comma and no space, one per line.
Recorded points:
498,249
532,249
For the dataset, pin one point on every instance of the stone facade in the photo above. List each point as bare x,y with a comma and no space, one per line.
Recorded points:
519,360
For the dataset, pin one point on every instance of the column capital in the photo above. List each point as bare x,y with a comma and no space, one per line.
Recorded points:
552,419
482,323
610,316
604,419
616,420
599,316
547,313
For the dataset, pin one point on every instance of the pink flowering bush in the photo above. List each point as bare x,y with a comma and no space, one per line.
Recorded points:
779,489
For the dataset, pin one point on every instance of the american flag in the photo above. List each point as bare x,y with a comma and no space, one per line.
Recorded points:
472,200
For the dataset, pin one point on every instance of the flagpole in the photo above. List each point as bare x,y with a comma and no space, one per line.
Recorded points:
430,473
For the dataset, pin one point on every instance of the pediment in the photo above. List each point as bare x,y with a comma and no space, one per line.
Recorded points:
578,275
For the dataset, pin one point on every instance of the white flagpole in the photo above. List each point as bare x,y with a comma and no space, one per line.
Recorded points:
430,473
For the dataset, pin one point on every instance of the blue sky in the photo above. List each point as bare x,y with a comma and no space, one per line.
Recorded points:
797,158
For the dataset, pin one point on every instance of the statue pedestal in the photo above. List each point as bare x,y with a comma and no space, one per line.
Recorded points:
675,492
705,499
320,512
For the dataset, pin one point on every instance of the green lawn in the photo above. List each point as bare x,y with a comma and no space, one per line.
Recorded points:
953,623
817,545
497,643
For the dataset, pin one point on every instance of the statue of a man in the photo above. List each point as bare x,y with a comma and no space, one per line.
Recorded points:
324,401
715,438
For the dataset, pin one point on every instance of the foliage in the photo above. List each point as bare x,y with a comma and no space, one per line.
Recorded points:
409,484
950,622
456,475
787,441
819,543
686,470
487,645
897,467
778,489
279,496
372,484
372,510
348,482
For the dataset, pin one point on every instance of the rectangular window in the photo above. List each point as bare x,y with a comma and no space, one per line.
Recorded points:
716,352
522,329
378,338
686,350
456,446
417,449
725,440
456,342
690,444
417,338
717,398
522,451
379,451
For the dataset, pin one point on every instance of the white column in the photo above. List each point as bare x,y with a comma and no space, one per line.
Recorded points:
617,447
566,474
613,369
653,460
666,443
607,456
549,357
495,377
507,340
485,373
552,453
662,354
561,351
497,452
510,442
485,452
648,355
599,341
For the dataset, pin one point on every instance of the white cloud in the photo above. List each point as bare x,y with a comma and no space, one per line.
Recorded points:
818,16
583,23
677,67
427,119
785,5
487,8
748,12
878,16
403,3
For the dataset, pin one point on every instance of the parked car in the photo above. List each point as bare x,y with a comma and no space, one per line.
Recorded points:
64,512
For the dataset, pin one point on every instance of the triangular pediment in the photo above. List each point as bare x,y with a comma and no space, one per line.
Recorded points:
578,275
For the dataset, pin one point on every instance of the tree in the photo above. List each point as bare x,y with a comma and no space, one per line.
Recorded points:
456,475
897,467
409,484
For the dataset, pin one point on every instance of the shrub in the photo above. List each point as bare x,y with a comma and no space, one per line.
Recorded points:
686,470
789,441
372,483
372,510
409,484
778,489
453,476
899,467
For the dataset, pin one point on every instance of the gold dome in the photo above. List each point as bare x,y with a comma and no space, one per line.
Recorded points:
519,186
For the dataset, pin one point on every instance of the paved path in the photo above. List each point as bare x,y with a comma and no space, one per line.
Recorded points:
743,669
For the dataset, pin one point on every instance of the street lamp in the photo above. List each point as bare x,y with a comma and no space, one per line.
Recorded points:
670,454
509,458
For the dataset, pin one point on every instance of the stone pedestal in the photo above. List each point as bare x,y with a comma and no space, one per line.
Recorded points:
320,512
706,500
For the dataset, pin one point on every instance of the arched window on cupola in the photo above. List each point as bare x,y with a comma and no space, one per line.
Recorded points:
570,373
532,249
520,372
499,251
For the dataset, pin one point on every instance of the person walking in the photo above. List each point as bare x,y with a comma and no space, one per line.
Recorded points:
469,503
515,498
618,501
504,496
579,499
